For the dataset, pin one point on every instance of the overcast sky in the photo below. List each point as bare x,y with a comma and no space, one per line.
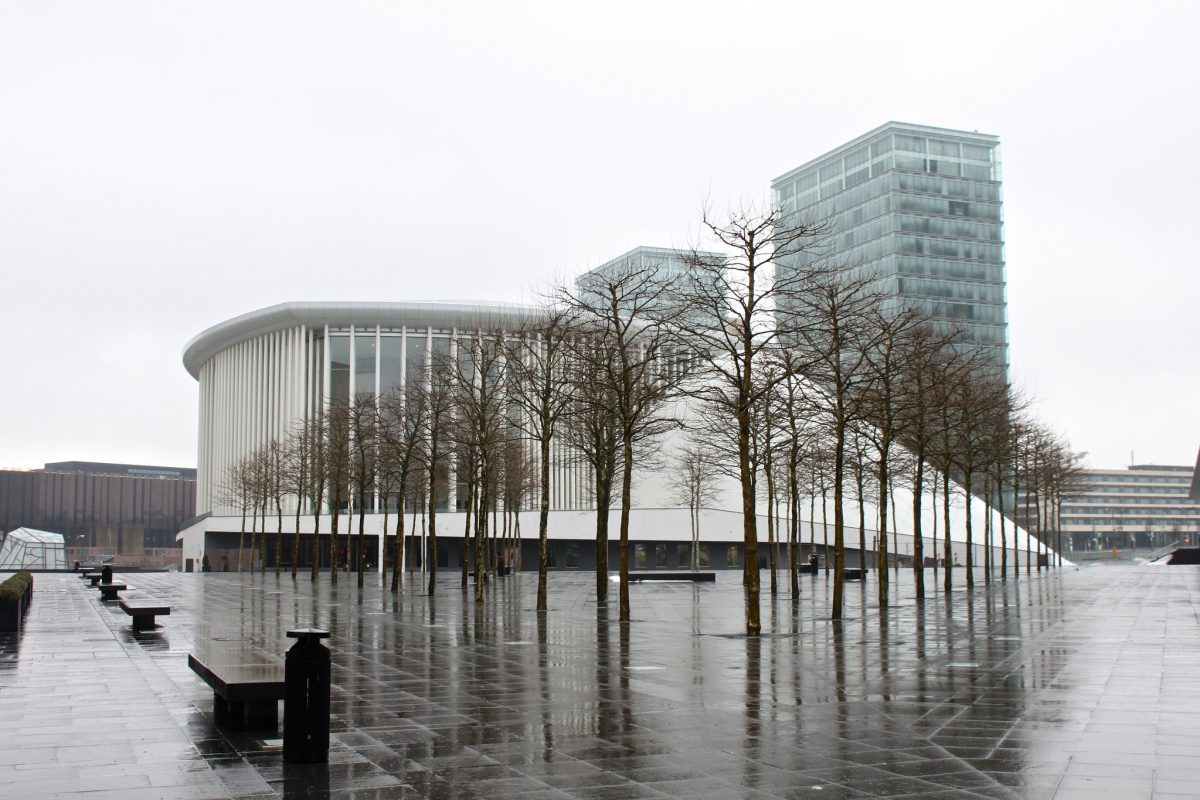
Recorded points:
167,165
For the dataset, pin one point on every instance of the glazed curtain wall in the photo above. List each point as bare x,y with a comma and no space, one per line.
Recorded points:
261,388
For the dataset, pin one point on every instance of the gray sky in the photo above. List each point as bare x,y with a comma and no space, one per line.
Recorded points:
167,165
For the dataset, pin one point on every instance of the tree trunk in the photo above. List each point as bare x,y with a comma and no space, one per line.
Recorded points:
750,578
860,481
362,539
948,552
970,560
431,554
626,488
987,530
316,546
397,542
918,533
839,519
883,547
296,540
794,530
466,543
333,544
481,520
771,531
603,506
543,600
1003,533
262,542
278,535
242,539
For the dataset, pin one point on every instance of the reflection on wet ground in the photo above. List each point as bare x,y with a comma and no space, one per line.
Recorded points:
1080,684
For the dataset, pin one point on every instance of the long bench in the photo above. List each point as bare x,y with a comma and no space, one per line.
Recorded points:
699,577
144,610
247,684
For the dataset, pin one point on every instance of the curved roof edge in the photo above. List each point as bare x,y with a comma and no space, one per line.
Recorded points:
279,317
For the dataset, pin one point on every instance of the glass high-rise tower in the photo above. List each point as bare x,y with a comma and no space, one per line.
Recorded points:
920,209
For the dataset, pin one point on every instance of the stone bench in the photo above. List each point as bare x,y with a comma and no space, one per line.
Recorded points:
852,574
699,577
144,610
108,591
247,684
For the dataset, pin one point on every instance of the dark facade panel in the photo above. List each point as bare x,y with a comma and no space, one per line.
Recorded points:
128,511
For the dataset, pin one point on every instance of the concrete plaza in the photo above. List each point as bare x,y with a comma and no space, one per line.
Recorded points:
1081,683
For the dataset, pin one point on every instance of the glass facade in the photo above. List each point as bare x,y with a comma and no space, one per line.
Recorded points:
364,364
339,367
920,208
371,360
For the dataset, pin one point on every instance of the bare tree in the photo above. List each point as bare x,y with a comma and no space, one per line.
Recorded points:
791,398
694,483
337,472
520,479
479,402
238,490
402,421
980,400
627,319
363,424
539,361
316,480
833,326
884,401
593,431
730,322
298,456
439,390
275,484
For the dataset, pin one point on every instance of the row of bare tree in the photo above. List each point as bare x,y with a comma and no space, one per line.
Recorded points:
801,380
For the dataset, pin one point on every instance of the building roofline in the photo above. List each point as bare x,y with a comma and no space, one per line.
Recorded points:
279,317
908,126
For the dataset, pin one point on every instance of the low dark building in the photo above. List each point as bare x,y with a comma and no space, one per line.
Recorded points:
117,508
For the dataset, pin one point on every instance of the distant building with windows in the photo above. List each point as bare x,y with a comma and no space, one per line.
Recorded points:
100,507
667,263
920,209
1142,506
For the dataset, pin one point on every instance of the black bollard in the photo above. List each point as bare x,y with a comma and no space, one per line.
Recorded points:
306,698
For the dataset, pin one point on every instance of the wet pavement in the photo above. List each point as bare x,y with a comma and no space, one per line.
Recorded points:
1076,684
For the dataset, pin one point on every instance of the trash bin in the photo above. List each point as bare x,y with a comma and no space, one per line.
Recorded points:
306,681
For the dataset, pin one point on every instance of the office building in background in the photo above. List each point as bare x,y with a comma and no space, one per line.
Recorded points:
920,209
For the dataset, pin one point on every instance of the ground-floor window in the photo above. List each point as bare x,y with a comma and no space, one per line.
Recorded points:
732,555
639,556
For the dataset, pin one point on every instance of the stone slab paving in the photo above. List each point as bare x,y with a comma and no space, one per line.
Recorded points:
1083,683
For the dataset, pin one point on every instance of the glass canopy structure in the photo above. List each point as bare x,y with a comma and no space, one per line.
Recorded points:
26,548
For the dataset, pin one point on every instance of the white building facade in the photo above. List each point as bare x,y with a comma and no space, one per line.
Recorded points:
262,373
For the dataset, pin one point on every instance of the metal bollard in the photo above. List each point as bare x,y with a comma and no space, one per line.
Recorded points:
306,698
